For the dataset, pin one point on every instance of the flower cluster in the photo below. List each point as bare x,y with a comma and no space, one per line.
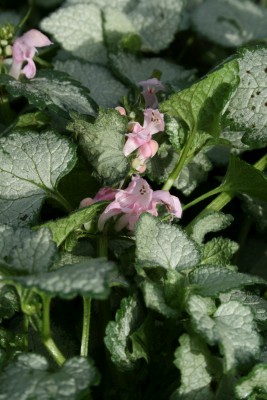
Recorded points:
131,202
23,51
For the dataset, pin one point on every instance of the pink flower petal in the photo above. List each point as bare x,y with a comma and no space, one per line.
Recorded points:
148,150
86,202
172,202
30,69
35,38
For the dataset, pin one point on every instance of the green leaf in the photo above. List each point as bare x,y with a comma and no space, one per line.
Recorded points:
69,26
230,23
105,90
256,303
117,4
231,326
9,302
157,22
210,222
133,70
257,210
254,383
35,381
192,358
242,177
128,319
167,296
247,109
54,90
201,105
31,165
212,280
218,251
61,228
25,251
165,245
119,31
89,278
102,143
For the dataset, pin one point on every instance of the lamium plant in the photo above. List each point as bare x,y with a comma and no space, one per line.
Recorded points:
133,200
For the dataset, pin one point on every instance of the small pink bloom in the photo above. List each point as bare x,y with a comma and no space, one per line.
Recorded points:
147,150
105,193
150,88
24,49
135,200
121,110
141,135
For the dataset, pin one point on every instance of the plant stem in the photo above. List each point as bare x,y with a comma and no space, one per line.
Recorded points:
6,112
102,249
61,199
46,333
86,326
203,197
26,331
176,171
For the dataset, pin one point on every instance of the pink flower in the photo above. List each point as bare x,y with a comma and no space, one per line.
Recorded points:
141,135
150,88
121,110
104,193
135,200
23,50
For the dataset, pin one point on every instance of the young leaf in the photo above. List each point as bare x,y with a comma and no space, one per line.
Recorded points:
119,31
34,380
212,280
244,178
201,105
163,244
61,228
210,222
252,384
157,22
54,90
26,251
218,251
128,318
247,109
239,346
230,23
31,165
89,278
192,358
102,143
105,90
69,26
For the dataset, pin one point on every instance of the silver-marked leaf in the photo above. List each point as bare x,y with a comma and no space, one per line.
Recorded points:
25,251
54,90
192,359
89,278
212,280
211,222
165,245
117,4
34,380
201,105
119,31
257,210
105,90
133,70
157,22
128,319
78,28
218,251
231,326
230,23
61,228
102,144
247,110
252,384
9,302
31,165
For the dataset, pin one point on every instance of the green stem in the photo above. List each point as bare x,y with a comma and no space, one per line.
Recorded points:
176,171
203,197
225,197
6,112
60,199
46,334
26,332
102,248
86,326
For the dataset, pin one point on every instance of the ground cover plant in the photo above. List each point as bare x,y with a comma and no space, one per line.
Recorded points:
133,199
